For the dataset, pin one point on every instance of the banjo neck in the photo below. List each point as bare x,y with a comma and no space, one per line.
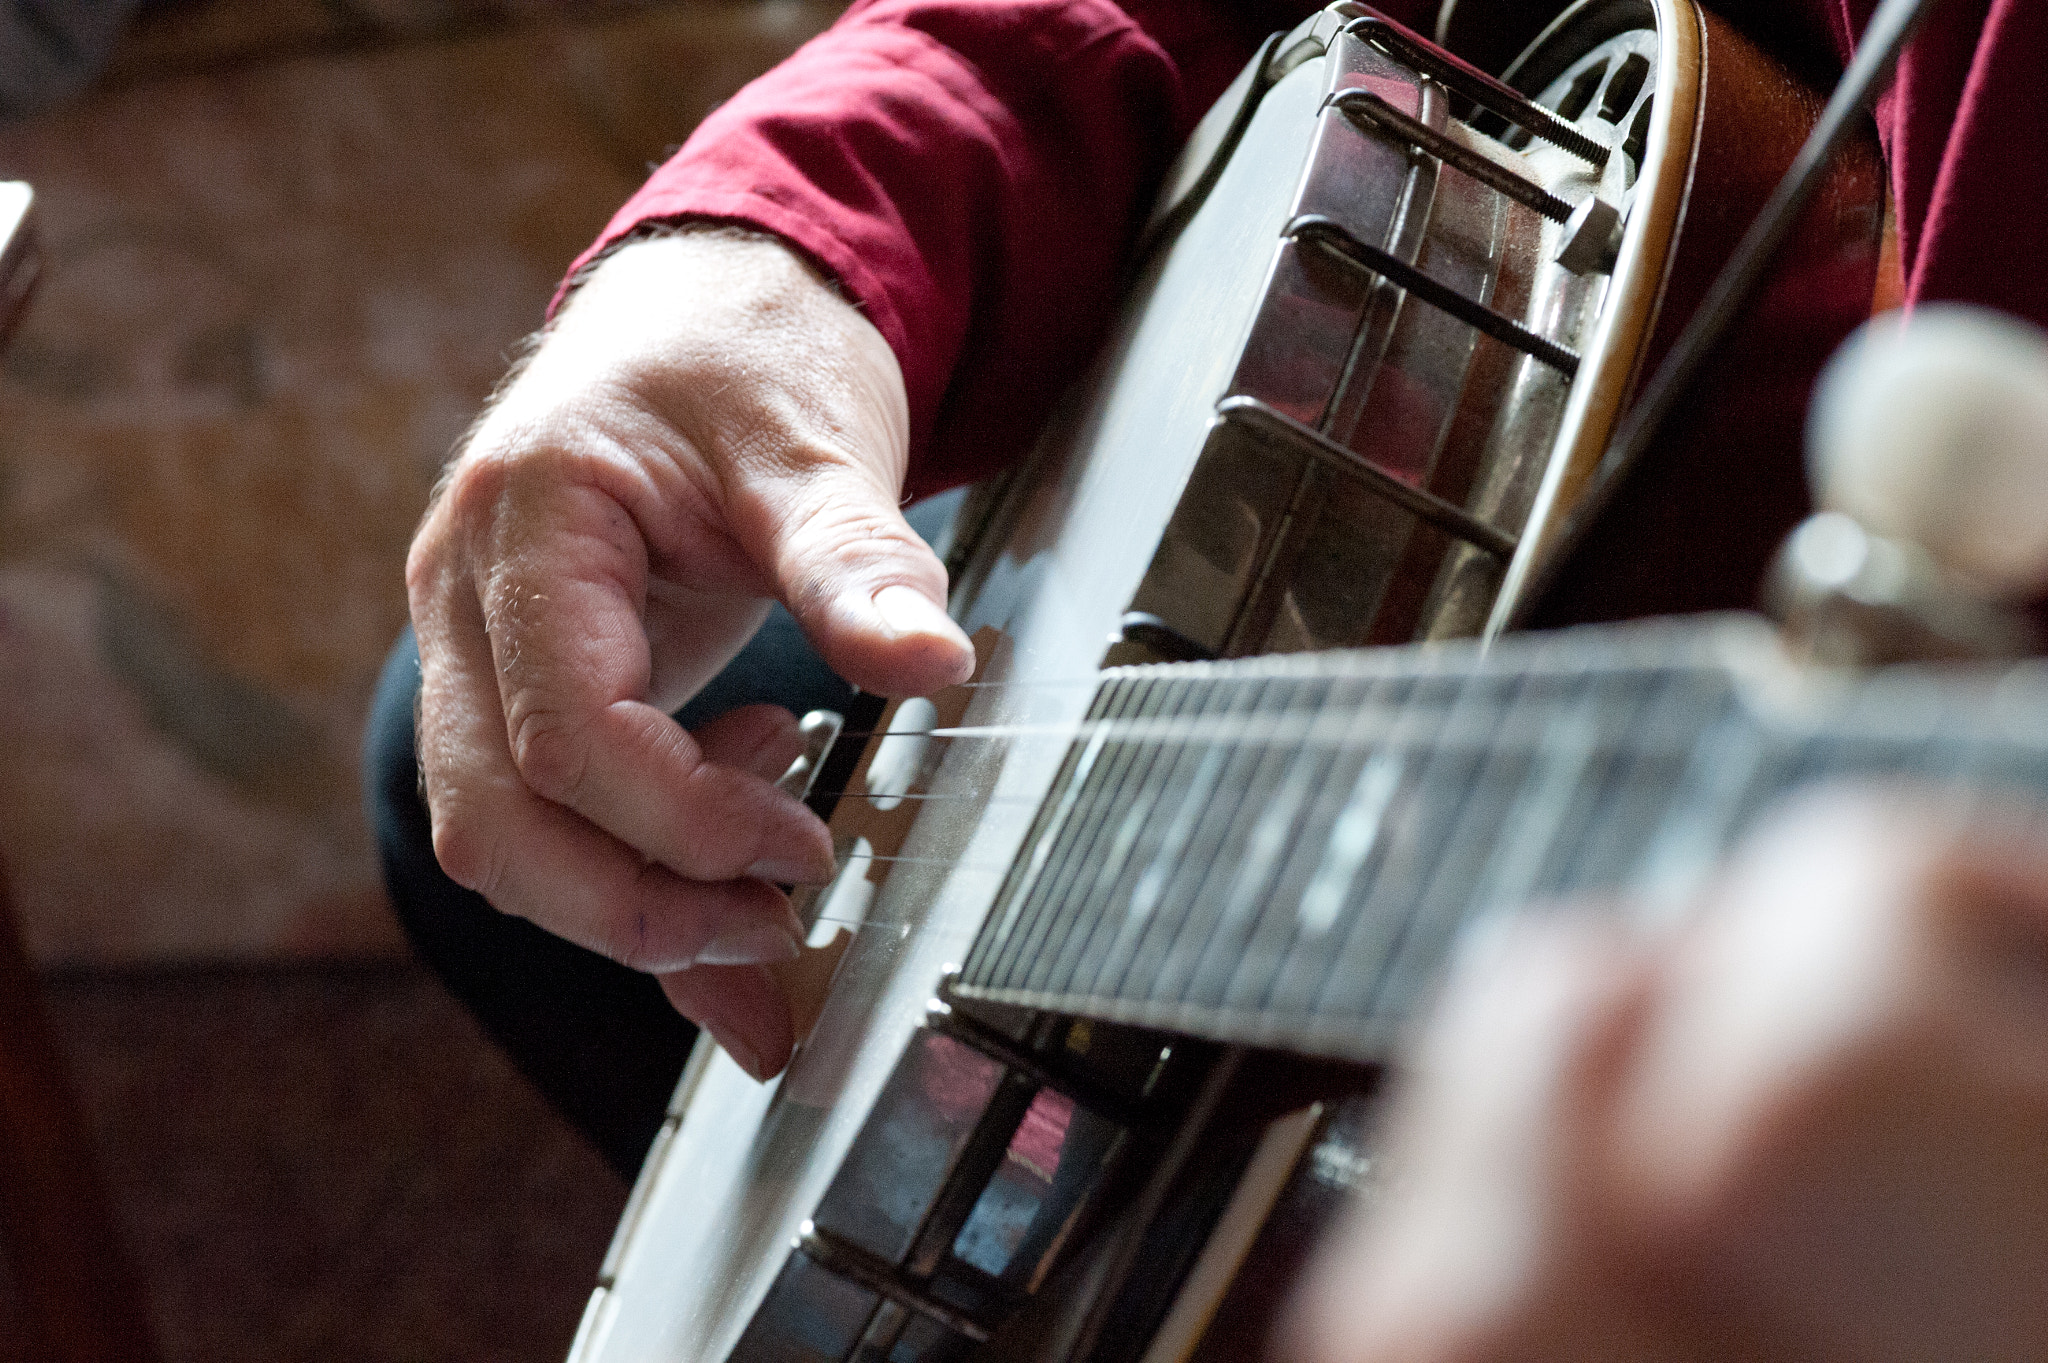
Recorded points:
1281,852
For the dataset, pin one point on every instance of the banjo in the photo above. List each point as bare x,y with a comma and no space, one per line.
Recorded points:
1128,926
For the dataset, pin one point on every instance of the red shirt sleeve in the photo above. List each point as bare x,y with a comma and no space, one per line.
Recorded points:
1966,127
972,173
1965,133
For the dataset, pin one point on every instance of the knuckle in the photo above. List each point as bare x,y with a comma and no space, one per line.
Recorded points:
626,931
729,814
474,484
551,755
467,853
623,935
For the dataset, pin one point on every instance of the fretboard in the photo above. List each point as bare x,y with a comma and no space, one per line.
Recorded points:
1283,851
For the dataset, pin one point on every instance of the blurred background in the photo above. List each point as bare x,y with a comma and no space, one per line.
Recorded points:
288,246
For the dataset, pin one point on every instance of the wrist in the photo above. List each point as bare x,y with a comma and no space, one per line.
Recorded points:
664,229
735,342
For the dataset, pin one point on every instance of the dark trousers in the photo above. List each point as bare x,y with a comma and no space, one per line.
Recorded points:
599,1041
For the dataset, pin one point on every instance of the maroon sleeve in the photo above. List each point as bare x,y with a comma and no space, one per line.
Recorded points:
971,172
1966,126
1965,132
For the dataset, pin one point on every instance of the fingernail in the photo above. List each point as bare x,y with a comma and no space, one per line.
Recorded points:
905,610
781,870
742,1054
750,944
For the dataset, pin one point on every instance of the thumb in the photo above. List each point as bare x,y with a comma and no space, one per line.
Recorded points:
865,586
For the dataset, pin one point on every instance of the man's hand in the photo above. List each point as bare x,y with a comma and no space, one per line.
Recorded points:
707,426
1814,1125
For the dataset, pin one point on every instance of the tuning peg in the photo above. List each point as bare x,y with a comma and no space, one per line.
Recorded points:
1927,442
1934,431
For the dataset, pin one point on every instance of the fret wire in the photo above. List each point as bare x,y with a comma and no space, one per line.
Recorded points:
1062,795
1603,782
1268,902
1644,785
1730,759
1044,916
1130,808
991,943
1622,723
1189,895
1377,785
1203,763
1558,785
1467,826
1065,794
1214,690
1207,926
1690,695
1544,805
1323,957
1173,764
1181,893
1280,924
1272,844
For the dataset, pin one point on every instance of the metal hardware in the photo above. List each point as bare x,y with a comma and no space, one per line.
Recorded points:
1369,113
1460,78
1592,238
1334,237
819,730
849,1261
1848,598
987,1147
1446,516
1304,43
993,1044
1870,70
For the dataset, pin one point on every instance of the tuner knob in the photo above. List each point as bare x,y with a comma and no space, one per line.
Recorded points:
1934,431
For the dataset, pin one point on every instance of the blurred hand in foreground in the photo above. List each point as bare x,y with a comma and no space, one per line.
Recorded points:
1811,1125
707,425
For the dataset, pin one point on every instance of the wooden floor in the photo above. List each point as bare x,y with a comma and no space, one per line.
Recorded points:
330,1164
